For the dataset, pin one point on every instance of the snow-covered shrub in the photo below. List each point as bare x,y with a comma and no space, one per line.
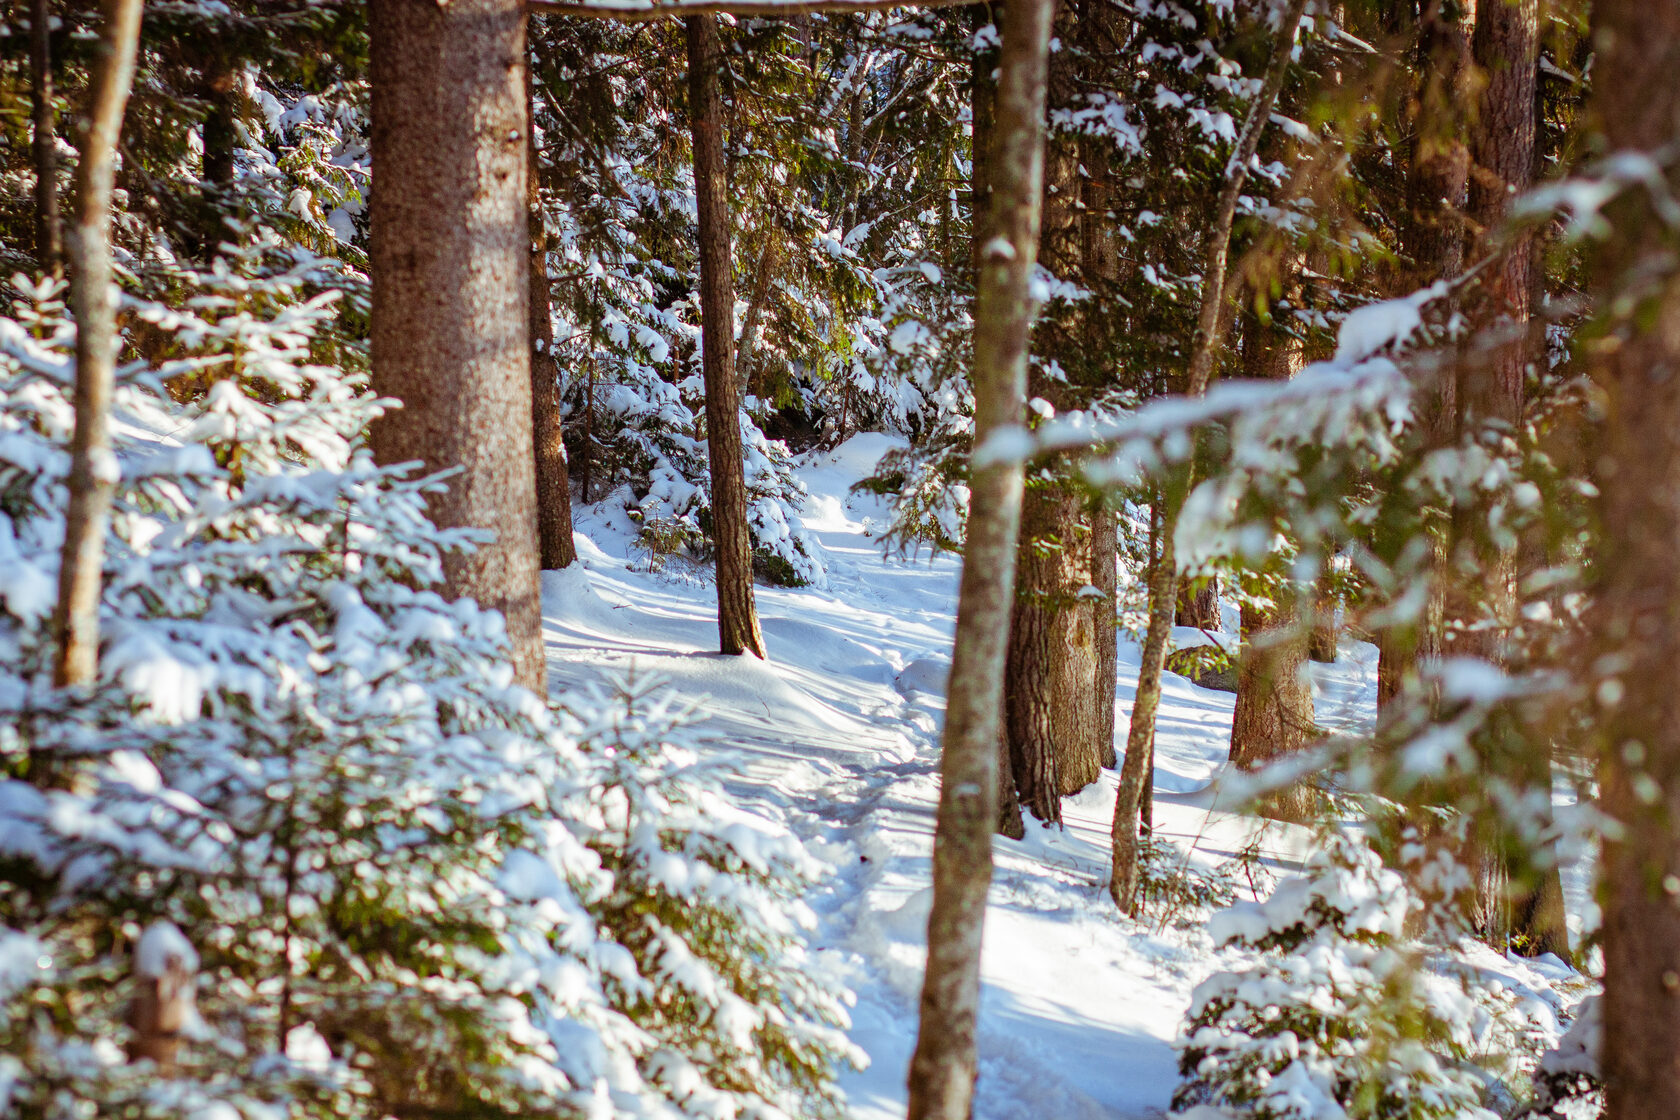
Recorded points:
1338,1019
1568,1084
706,900
396,867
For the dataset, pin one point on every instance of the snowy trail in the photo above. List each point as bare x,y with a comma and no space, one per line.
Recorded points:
838,734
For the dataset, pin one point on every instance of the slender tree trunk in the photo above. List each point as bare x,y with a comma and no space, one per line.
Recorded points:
738,630
93,297
554,486
450,258
1163,583
755,311
945,1063
1636,628
49,250
1105,555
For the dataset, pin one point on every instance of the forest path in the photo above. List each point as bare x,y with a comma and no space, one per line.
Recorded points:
838,735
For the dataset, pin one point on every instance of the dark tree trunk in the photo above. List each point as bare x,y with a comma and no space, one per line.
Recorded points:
93,298
450,258
1325,637
945,1063
1199,606
554,486
1105,577
220,133
755,311
1637,637
738,630
1433,238
49,249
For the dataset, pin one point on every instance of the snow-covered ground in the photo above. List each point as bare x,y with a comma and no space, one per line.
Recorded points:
838,735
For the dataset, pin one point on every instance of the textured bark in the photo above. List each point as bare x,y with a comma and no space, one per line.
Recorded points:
554,485
945,1063
49,248
93,297
449,254
1322,642
1637,624
1105,577
1137,768
738,630
1433,239
1273,717
1199,606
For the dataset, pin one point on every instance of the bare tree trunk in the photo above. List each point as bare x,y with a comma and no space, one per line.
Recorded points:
1105,554
93,297
755,311
554,485
738,630
1199,606
945,1063
49,250
1163,584
450,258
1325,636
1433,238
1635,636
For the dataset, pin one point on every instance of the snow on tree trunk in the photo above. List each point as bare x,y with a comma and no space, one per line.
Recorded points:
93,295
449,253
945,1063
554,486
738,630
165,976
1637,285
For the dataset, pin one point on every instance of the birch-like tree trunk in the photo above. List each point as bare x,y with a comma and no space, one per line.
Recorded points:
738,630
93,298
945,1063
450,255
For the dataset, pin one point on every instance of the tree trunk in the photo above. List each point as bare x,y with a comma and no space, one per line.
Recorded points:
1433,238
945,1063
1199,606
49,250
1105,555
1137,768
738,630
1637,289
449,256
93,297
755,311
554,486
1325,637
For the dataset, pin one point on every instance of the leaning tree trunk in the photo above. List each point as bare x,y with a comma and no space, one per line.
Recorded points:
1636,628
1137,767
49,249
738,630
1433,238
93,298
449,254
945,1063
554,485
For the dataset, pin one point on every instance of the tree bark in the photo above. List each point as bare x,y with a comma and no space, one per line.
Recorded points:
738,630
1199,606
1637,624
554,485
93,297
755,312
450,258
1433,239
1137,767
49,249
1105,555
945,1063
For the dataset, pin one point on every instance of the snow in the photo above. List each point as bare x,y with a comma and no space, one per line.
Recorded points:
837,736
164,949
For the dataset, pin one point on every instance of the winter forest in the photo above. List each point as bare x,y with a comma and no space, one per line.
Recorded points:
840,559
